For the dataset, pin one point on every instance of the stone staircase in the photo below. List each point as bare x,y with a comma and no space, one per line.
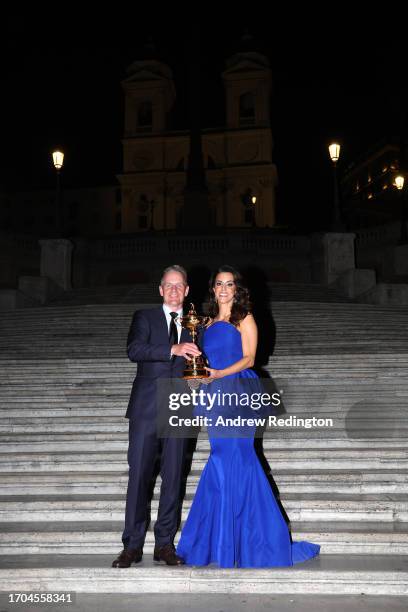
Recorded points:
64,385
147,293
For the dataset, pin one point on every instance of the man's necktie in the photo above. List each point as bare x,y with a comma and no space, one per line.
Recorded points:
173,333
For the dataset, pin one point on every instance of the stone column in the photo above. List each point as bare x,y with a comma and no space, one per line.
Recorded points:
56,261
332,255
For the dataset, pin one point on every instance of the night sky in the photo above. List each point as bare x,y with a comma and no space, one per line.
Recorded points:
334,77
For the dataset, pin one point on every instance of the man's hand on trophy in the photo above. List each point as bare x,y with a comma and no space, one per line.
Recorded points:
186,350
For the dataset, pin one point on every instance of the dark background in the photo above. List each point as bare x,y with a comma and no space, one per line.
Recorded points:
336,75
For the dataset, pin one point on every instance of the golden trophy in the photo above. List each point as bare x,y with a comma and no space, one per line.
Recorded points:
195,366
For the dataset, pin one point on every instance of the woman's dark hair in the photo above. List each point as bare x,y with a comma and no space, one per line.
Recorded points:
241,305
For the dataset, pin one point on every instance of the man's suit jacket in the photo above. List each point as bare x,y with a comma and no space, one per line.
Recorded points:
148,345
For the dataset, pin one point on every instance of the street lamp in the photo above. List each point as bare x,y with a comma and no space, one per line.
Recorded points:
58,161
336,224
152,204
399,184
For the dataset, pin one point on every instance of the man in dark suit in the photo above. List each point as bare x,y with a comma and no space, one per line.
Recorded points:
159,347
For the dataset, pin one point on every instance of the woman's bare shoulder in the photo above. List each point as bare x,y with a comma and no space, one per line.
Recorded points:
247,322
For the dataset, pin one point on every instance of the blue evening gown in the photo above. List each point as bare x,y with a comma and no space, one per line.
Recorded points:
235,520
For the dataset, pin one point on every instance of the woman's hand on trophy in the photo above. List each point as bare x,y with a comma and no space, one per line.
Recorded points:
186,350
213,374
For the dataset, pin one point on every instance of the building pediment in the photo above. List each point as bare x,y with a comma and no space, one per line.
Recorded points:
246,62
148,71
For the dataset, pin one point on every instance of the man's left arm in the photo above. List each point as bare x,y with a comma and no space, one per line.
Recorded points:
139,348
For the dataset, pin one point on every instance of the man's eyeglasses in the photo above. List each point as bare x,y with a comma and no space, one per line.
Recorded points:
228,284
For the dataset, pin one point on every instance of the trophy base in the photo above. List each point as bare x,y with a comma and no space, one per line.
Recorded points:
198,374
195,368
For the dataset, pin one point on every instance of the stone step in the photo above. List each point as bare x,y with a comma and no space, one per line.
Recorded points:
66,388
297,334
395,390
334,459
73,538
63,320
80,442
373,482
84,573
118,370
127,294
351,415
125,308
383,359
68,327
291,420
83,376
82,328
112,350
356,383
106,425
299,507
68,324
347,382
360,458
112,369
314,336
201,453
107,366
305,399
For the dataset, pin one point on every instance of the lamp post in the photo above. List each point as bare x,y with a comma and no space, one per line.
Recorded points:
152,204
253,201
336,223
399,184
58,161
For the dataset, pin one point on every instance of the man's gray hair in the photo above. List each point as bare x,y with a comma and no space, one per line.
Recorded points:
175,268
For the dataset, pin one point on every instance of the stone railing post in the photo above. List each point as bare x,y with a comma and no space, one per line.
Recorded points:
332,255
56,261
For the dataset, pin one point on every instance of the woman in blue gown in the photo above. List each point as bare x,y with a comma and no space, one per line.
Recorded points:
235,520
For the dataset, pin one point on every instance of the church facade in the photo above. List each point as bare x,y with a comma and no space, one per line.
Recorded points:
240,175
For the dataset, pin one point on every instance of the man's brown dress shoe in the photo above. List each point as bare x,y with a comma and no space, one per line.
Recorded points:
167,554
127,557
